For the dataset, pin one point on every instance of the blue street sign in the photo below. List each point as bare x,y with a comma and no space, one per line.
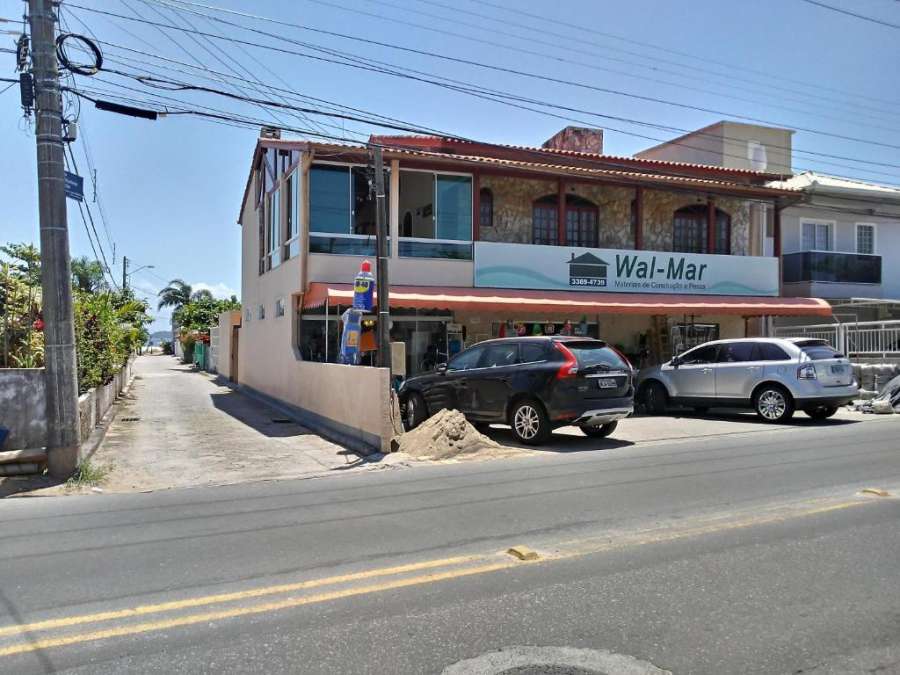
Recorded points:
74,186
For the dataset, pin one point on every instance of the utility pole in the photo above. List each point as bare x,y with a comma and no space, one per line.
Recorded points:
124,273
60,373
382,286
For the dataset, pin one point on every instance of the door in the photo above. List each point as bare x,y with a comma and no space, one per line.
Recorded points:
451,389
694,376
489,384
739,369
235,343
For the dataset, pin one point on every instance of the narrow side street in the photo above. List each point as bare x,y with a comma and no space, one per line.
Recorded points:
178,428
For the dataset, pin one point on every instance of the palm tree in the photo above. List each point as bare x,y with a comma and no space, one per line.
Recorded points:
177,294
202,294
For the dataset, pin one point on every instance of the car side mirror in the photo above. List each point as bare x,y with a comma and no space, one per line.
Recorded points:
441,368
675,362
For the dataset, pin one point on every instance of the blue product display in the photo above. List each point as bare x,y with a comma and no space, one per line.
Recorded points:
363,287
352,322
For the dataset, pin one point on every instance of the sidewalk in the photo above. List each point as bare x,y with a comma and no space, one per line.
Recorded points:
179,428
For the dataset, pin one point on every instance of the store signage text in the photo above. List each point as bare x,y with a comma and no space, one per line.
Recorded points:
610,270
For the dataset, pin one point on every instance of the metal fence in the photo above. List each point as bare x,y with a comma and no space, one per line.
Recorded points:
861,338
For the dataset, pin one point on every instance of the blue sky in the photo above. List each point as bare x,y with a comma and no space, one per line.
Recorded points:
171,189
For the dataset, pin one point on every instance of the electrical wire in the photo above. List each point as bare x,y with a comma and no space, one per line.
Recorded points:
485,66
91,219
478,93
855,15
564,41
706,58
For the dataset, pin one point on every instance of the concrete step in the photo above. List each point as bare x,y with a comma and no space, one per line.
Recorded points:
28,455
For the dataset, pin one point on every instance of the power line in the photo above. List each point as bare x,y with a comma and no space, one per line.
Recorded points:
566,39
232,119
489,96
91,219
537,76
705,58
856,15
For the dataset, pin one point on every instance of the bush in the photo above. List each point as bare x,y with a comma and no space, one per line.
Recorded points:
109,327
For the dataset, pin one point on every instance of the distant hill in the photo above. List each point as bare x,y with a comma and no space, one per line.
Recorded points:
160,335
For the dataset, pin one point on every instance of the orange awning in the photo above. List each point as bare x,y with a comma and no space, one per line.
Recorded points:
511,301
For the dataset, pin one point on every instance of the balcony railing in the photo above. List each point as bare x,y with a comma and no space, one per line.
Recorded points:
831,266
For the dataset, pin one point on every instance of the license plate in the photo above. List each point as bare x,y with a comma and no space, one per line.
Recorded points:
837,370
607,383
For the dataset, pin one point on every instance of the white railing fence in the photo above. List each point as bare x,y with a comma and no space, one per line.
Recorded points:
861,338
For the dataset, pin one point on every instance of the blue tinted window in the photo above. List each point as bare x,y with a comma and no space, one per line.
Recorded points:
454,207
329,199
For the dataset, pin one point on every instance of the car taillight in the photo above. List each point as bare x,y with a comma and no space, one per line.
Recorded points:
807,372
569,367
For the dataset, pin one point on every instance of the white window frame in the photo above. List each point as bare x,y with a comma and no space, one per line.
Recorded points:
348,234
832,226
874,227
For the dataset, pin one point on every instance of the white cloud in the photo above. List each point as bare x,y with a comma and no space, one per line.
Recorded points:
218,290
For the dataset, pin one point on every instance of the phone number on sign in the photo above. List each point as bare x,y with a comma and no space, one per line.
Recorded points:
586,281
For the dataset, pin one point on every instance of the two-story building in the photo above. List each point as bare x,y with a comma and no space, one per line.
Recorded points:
843,244
490,240
840,241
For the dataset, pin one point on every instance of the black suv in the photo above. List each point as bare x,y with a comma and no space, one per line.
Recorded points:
534,384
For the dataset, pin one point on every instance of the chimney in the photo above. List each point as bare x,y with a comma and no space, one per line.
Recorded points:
578,139
269,132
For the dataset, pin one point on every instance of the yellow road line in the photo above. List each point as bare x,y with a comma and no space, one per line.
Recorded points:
191,619
229,597
149,626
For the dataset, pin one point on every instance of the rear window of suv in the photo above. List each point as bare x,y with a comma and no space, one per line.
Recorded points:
595,354
818,350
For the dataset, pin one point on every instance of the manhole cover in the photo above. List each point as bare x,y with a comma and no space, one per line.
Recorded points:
553,661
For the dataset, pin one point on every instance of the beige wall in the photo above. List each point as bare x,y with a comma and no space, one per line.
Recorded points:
408,271
227,320
725,144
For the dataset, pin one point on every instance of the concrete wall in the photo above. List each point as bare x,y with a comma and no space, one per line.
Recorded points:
23,407
347,403
887,245
227,320
725,144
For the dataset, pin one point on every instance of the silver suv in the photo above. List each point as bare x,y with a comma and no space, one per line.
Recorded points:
773,376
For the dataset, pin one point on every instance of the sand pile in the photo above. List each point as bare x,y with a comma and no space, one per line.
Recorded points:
448,435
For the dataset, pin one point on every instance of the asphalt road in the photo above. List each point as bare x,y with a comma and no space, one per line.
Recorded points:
740,554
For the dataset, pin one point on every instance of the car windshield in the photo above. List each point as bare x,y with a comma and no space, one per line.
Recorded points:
596,355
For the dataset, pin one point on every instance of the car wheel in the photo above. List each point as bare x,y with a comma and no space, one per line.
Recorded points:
655,398
773,404
600,432
822,413
529,422
416,411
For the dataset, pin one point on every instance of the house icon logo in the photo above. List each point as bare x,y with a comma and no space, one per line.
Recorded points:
587,270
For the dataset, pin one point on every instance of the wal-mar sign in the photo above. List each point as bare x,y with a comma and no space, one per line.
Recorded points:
499,265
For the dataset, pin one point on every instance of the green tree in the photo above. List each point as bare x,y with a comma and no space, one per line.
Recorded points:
176,295
87,275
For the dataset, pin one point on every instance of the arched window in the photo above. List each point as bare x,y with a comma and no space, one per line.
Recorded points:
486,208
690,230
582,221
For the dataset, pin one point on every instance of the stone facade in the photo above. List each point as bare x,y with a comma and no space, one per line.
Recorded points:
513,199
